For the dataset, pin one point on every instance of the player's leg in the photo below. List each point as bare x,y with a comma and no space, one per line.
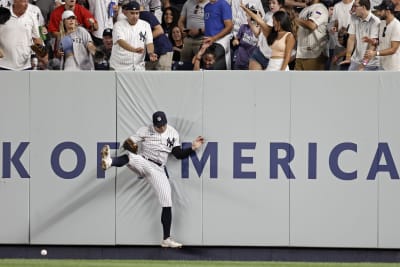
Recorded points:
107,161
159,181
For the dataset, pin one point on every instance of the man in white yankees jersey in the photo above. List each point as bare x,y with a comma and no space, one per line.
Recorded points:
157,142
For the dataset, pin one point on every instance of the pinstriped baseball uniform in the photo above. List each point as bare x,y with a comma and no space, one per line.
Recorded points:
138,35
155,148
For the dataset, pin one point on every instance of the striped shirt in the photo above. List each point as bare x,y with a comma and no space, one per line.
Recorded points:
361,28
154,145
138,35
312,43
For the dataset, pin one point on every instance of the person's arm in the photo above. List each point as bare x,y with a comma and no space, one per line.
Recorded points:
182,23
294,3
91,48
196,61
180,153
351,42
157,31
125,45
226,30
150,51
394,45
290,41
265,28
306,23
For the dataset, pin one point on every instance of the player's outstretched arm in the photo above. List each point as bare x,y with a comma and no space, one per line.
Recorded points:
180,153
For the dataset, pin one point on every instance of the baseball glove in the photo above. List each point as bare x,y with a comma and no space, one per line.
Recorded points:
130,146
5,15
39,50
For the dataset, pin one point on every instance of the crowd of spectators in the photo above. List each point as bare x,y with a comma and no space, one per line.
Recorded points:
138,35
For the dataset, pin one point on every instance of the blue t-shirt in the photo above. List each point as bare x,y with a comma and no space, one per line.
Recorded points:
214,16
162,44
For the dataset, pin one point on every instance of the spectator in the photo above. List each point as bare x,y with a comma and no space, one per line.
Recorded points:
260,58
191,22
177,43
45,6
239,16
104,12
282,41
396,8
177,4
218,26
162,45
16,37
154,6
132,38
103,52
246,43
388,50
312,37
365,25
76,43
205,58
340,22
169,19
83,16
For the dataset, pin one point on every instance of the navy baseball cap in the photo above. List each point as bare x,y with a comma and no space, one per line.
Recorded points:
107,32
159,119
132,5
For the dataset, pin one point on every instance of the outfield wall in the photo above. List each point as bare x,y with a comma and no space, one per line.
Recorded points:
298,159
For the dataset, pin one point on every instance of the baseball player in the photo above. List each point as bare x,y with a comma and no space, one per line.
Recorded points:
157,142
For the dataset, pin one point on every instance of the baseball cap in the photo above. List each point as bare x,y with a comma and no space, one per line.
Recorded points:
67,14
159,119
385,5
132,5
107,32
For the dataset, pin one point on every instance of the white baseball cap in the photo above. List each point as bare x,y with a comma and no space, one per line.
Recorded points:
67,13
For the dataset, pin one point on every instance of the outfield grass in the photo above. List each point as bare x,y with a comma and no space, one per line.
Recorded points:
158,263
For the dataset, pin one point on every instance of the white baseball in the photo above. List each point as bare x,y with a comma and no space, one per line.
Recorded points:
43,252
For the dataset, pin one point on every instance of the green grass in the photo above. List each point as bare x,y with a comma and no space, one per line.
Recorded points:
158,263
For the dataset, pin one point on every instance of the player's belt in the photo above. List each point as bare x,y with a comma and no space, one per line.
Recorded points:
152,160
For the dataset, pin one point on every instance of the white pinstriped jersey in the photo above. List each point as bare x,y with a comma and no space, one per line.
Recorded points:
138,35
154,145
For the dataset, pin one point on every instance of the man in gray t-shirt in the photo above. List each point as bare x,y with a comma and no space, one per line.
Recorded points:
191,22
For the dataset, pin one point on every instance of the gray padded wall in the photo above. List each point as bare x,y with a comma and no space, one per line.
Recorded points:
257,110
14,129
76,107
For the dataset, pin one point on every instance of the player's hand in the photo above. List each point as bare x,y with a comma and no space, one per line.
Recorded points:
197,142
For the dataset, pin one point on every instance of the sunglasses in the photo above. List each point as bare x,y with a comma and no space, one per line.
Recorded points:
384,32
196,10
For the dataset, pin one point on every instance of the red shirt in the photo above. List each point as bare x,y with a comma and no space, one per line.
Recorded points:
82,15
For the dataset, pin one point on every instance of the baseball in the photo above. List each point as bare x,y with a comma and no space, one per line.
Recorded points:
43,252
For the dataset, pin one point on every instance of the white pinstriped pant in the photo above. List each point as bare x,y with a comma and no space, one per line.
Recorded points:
155,175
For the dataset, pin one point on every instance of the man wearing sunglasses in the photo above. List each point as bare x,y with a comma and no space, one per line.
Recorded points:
388,51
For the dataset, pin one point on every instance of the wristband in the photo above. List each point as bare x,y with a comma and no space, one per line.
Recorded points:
377,53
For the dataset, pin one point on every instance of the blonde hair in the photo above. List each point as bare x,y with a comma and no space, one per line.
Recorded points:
62,29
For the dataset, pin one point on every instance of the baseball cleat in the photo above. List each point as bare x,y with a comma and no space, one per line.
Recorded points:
170,243
105,157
